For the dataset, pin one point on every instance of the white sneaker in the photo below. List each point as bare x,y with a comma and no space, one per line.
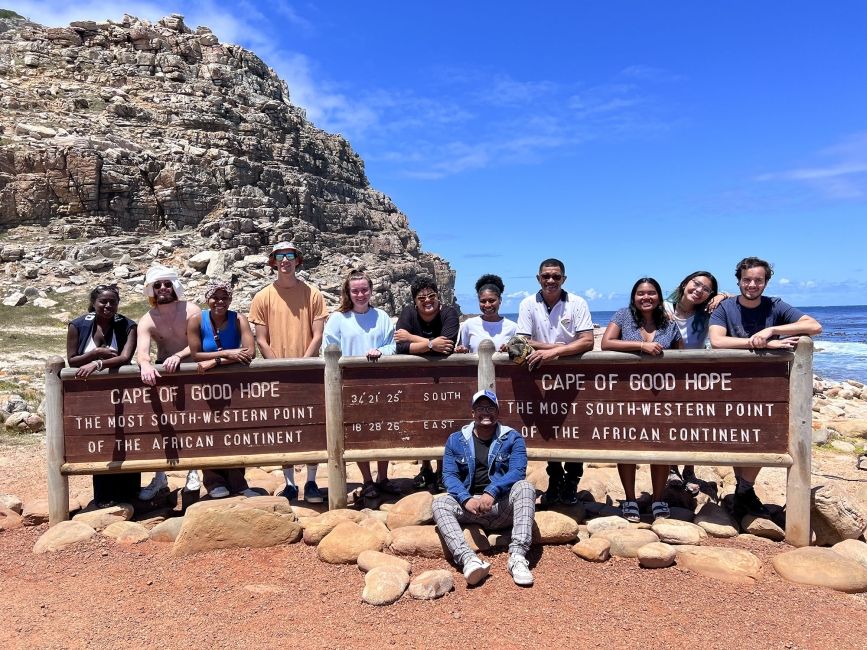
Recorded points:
250,493
475,570
193,482
519,569
158,483
218,492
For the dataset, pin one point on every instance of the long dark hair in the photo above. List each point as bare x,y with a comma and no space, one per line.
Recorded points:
700,315
660,318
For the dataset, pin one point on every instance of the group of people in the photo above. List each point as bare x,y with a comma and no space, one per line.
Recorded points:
484,465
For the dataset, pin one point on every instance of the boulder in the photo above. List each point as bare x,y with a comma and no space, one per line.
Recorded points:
346,541
726,564
762,527
316,528
425,541
411,510
656,555
595,549
675,531
368,560
9,519
376,527
104,517
62,535
834,517
167,531
852,549
127,532
35,512
235,525
626,542
607,523
822,567
384,585
854,427
552,527
716,521
432,584
12,502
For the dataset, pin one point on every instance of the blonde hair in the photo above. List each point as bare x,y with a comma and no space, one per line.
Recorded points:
345,298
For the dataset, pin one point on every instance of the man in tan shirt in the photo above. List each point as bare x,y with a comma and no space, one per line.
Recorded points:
289,316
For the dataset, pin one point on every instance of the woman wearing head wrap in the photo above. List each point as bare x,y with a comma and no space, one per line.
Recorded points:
489,325
218,337
102,339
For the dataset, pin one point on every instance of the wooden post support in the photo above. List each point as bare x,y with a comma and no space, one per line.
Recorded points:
334,428
800,444
487,377
58,483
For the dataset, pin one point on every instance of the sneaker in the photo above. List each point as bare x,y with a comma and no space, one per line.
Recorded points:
312,493
424,479
747,503
691,484
218,492
674,481
158,484
569,493
249,493
193,483
552,494
387,486
519,569
290,492
475,570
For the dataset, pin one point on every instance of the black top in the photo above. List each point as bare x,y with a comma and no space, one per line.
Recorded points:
120,327
445,323
481,478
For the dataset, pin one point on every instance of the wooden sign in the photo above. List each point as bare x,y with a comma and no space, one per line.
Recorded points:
257,411
708,407
405,406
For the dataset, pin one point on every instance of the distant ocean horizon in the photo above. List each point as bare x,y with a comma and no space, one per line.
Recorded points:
840,351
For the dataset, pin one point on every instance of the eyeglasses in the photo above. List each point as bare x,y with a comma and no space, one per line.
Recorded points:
284,256
159,284
485,409
426,297
700,287
551,276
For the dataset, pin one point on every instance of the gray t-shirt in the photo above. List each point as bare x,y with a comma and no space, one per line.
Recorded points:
743,322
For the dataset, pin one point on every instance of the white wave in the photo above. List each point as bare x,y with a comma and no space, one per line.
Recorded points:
841,348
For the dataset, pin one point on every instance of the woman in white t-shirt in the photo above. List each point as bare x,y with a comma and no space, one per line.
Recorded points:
489,325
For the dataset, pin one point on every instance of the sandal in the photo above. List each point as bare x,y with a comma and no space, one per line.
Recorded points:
660,510
630,511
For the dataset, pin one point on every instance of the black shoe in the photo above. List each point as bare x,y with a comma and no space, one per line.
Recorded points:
438,485
569,493
424,479
747,503
552,494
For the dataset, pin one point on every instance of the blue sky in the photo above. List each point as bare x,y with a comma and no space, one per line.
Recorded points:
625,138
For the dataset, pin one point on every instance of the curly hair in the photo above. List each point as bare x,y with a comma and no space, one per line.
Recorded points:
490,282
423,282
751,263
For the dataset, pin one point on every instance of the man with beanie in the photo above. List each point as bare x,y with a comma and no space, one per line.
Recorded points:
289,316
166,325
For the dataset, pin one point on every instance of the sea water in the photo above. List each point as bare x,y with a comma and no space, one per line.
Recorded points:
840,351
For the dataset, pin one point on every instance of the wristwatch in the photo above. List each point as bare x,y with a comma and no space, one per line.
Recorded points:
430,344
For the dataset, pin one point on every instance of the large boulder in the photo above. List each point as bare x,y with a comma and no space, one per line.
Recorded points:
626,542
834,517
384,585
853,549
611,522
412,510
316,528
656,555
9,519
822,567
167,531
127,532
35,512
62,535
346,542
105,517
425,541
595,549
716,521
552,527
368,560
432,584
762,527
726,564
675,531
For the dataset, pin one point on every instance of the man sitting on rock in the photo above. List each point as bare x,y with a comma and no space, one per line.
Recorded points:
484,469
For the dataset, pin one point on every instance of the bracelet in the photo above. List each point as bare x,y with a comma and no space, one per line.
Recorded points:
98,363
641,347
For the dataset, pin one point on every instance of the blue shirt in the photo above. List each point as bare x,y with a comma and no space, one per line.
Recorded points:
357,333
230,335
743,322
666,336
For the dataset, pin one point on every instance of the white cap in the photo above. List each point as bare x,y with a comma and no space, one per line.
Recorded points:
160,272
485,393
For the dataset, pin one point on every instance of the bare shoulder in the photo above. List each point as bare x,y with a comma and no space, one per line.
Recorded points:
193,309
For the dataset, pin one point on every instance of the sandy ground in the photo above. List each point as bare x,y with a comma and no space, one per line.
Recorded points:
103,595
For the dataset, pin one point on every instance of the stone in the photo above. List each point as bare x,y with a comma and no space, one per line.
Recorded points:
127,532
855,427
822,567
35,512
167,531
600,524
432,584
17,422
384,585
656,555
821,436
552,527
44,303
104,517
412,510
674,531
346,541
727,564
316,528
626,542
852,549
235,525
595,549
9,519
15,299
835,517
716,521
368,560
12,502
63,535
425,541
843,445
762,527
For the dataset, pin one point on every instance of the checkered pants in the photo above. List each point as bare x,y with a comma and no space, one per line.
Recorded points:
515,510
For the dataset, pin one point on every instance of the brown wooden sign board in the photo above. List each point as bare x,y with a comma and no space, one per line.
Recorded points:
403,406
703,407
117,418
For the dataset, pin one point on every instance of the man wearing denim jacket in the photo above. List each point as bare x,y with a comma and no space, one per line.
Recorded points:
484,469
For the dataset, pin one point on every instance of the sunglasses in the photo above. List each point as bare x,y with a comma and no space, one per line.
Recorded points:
284,256
551,276
426,297
159,284
106,287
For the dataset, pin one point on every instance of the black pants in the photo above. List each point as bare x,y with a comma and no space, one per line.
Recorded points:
120,488
574,471
231,479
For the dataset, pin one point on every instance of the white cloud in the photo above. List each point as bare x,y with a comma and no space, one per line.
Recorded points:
807,284
784,281
592,294
518,295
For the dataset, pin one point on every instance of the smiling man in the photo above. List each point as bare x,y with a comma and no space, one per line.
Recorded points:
558,324
484,470
752,321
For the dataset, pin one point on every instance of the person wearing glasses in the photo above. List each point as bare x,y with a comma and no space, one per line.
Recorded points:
753,321
426,328
166,326
289,316
558,323
690,306
489,325
101,339
220,337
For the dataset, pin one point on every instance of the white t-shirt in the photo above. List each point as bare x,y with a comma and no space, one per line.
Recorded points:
692,340
475,330
563,324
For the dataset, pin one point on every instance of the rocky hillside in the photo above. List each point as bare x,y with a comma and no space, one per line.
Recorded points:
127,142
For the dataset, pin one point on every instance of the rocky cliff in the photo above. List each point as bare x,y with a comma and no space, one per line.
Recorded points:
126,142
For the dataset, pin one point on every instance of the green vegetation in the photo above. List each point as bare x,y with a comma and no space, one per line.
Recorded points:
8,13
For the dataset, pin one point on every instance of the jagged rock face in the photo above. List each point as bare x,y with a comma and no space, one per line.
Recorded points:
138,128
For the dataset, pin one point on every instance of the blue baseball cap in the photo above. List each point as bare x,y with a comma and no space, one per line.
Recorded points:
485,393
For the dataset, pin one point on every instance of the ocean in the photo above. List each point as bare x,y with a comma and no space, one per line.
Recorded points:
840,350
